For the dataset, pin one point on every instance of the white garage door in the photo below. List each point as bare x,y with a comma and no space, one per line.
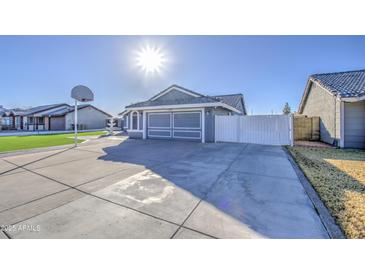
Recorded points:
175,125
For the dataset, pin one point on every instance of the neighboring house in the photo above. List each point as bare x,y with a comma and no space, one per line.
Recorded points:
180,114
339,100
54,117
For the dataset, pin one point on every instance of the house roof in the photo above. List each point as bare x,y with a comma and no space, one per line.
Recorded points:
234,100
346,85
68,109
343,84
178,87
48,110
192,100
35,110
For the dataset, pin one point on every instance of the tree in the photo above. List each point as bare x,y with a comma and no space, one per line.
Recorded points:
286,109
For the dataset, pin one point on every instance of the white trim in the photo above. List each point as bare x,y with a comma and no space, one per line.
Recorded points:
342,124
144,136
187,112
180,107
185,137
172,88
135,130
203,126
353,99
173,110
130,121
126,122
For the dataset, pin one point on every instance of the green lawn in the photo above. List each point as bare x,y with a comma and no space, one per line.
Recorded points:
12,143
338,176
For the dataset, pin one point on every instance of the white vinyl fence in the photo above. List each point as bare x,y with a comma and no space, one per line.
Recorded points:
257,129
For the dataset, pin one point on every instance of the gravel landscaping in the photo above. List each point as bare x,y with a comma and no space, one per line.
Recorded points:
338,176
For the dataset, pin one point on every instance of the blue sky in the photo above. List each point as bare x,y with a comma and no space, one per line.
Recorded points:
268,70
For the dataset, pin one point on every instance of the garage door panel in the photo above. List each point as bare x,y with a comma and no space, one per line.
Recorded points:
187,120
187,134
159,120
159,133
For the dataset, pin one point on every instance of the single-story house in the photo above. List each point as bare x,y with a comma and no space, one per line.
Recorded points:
54,117
339,100
180,114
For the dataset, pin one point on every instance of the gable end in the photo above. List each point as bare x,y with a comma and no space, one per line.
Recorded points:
175,92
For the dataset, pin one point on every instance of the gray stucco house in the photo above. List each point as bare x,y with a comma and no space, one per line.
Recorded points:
53,117
177,113
339,100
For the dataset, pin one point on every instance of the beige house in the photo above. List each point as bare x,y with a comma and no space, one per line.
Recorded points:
339,100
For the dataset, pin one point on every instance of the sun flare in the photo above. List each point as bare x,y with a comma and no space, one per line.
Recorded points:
150,59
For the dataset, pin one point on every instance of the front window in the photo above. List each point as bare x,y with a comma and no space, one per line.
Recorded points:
135,120
41,120
6,121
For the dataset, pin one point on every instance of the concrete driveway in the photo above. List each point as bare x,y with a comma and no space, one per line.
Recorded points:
120,188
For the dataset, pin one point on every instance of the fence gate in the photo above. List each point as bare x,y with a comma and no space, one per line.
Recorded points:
257,129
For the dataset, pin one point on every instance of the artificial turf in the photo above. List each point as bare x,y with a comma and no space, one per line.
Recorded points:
12,143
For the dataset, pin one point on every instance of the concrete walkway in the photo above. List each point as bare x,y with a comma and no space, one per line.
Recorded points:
118,188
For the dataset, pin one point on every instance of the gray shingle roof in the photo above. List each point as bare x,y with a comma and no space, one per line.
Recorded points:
343,84
68,109
34,110
177,86
192,100
234,100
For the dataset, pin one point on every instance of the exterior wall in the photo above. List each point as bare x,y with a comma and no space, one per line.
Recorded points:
135,135
354,121
140,115
89,117
25,121
173,95
126,121
46,123
322,104
210,114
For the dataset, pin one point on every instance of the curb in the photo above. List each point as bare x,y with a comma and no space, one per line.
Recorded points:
328,221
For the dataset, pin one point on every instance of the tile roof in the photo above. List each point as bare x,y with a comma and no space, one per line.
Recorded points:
343,84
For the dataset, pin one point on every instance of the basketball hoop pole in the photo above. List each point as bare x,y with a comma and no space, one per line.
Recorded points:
75,123
82,94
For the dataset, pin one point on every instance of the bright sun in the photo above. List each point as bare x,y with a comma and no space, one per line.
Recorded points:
150,59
